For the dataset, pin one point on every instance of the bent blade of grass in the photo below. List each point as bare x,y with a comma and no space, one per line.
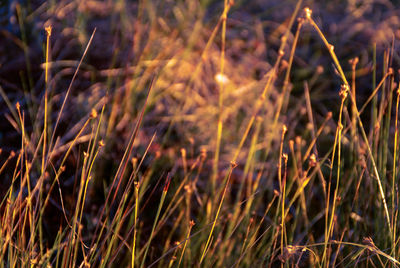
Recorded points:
343,77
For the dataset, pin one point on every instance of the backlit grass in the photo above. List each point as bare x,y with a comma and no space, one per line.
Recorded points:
199,134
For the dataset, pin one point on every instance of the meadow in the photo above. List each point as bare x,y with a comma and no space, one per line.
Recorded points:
199,133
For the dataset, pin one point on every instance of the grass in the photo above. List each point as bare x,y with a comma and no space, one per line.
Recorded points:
199,134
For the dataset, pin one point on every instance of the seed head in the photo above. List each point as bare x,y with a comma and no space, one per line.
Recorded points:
276,192
308,13
312,161
93,114
101,143
344,90
167,182
284,129
203,153
183,152
48,30
137,184
354,61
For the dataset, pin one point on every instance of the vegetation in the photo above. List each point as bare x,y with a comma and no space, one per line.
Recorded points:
199,133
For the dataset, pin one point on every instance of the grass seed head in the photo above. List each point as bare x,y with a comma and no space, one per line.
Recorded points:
188,189
354,61
203,153
312,160
276,192
93,114
48,30
167,182
183,152
101,143
308,13
344,91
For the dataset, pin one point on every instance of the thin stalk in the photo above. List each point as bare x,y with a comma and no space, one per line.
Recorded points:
43,168
221,83
287,75
191,224
46,77
245,238
353,129
343,94
206,246
282,188
137,185
164,193
249,161
373,95
395,147
374,111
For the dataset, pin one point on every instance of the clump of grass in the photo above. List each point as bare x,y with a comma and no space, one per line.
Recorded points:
254,156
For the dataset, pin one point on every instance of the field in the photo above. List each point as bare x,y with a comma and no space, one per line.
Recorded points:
199,133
